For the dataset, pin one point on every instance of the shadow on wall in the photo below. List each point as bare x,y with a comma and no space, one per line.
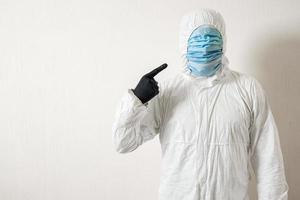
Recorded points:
277,66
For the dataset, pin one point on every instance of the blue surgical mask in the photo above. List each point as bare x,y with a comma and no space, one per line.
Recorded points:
204,51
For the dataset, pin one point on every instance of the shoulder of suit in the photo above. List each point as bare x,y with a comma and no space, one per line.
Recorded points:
245,79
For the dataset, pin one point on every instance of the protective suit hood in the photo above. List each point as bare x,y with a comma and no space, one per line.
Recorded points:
188,24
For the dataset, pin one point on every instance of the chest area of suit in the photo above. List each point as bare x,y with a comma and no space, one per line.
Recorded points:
218,115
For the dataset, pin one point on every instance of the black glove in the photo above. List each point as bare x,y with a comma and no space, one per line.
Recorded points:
147,87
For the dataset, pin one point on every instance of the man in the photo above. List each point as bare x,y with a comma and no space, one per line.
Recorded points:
214,123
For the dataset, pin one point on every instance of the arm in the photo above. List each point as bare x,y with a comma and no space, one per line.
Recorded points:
135,122
266,154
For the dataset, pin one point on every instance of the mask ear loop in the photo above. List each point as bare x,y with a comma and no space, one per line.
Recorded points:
189,70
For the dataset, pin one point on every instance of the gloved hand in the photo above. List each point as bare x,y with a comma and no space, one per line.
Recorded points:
147,88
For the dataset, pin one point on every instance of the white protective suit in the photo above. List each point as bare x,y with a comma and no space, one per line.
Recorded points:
212,131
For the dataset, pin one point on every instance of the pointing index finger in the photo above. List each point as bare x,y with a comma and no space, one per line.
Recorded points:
155,71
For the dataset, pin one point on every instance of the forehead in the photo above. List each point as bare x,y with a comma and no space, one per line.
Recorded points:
206,29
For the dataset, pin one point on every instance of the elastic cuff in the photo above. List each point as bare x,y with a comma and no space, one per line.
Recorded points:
136,99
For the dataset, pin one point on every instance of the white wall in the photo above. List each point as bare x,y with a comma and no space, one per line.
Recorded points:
65,64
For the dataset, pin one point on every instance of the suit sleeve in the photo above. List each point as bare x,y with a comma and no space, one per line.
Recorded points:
266,155
135,122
